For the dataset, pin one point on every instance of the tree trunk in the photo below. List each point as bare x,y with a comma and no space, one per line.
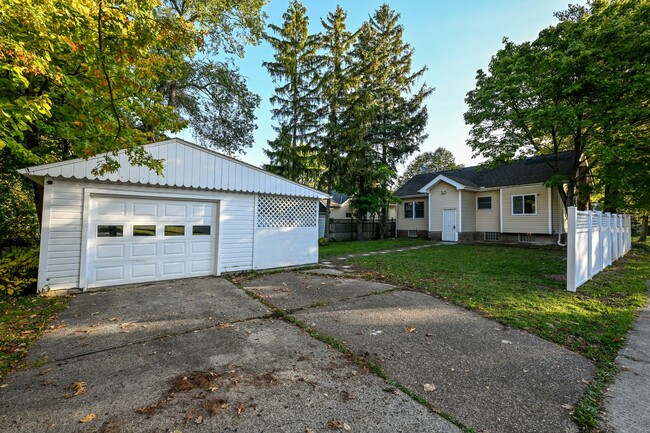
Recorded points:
328,210
360,228
382,223
644,229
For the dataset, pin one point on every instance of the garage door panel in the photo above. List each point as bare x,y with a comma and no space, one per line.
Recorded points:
143,250
111,208
171,269
201,266
201,247
109,274
115,251
175,210
145,209
144,270
174,248
201,211
139,253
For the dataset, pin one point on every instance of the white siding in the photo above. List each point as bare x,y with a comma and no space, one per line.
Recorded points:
61,240
236,233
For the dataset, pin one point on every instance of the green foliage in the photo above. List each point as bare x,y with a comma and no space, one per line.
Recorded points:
580,86
323,241
440,159
385,116
82,77
18,220
18,270
295,70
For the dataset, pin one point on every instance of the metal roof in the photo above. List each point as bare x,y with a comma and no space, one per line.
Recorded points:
185,165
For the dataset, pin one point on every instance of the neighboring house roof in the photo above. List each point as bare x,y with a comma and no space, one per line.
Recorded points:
186,165
526,171
339,197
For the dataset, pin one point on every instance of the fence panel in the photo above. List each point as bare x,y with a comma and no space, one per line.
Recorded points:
594,241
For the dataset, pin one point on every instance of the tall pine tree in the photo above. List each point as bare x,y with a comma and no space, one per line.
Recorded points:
295,70
386,115
335,83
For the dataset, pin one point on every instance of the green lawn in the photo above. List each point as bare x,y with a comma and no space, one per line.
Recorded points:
22,321
525,288
334,249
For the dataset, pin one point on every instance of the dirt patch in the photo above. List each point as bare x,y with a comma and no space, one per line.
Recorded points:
203,393
554,277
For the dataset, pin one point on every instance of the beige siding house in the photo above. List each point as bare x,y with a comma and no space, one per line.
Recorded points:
508,203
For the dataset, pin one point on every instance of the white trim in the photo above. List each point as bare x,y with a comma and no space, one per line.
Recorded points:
441,178
85,229
512,205
550,212
255,200
500,210
460,212
41,283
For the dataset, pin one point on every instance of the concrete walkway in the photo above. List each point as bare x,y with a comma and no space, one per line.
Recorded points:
627,403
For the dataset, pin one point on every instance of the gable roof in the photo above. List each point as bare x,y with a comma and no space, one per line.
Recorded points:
525,171
186,165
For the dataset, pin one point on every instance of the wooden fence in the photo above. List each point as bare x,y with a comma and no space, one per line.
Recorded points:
594,241
346,230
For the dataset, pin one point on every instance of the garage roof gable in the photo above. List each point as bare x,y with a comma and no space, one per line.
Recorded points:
185,165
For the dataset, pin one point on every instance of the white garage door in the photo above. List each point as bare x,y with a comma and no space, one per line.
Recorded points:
135,240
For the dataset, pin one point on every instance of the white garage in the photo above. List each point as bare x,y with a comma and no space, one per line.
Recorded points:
205,215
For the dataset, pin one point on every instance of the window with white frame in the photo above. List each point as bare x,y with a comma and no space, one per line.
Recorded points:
484,203
524,204
414,209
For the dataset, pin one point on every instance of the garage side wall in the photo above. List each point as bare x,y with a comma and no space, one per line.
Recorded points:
286,232
62,236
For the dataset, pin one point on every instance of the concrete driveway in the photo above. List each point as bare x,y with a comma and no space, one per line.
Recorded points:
201,355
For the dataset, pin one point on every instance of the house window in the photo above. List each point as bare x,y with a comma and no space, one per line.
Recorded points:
524,204
414,209
348,214
484,203
527,238
491,236
412,234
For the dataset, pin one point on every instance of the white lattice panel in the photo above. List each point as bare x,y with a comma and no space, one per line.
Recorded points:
284,211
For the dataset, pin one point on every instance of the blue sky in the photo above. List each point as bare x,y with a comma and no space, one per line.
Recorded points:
453,38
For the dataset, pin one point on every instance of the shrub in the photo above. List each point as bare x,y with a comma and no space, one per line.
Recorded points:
322,241
18,269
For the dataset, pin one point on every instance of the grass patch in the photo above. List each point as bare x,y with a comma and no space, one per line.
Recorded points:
525,289
333,249
22,321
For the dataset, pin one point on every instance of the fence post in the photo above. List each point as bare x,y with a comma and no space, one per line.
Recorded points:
590,240
571,249
599,251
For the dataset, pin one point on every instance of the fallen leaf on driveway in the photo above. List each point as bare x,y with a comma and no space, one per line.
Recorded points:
44,372
335,424
241,409
429,387
567,406
78,388
127,325
407,329
88,418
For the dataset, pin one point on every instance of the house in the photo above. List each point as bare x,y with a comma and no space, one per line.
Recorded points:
341,208
507,203
204,215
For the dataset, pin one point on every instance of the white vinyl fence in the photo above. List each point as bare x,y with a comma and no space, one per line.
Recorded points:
594,241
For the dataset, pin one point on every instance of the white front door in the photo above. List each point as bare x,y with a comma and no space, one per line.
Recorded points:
449,225
132,240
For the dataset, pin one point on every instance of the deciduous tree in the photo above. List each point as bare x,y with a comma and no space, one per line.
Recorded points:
429,162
